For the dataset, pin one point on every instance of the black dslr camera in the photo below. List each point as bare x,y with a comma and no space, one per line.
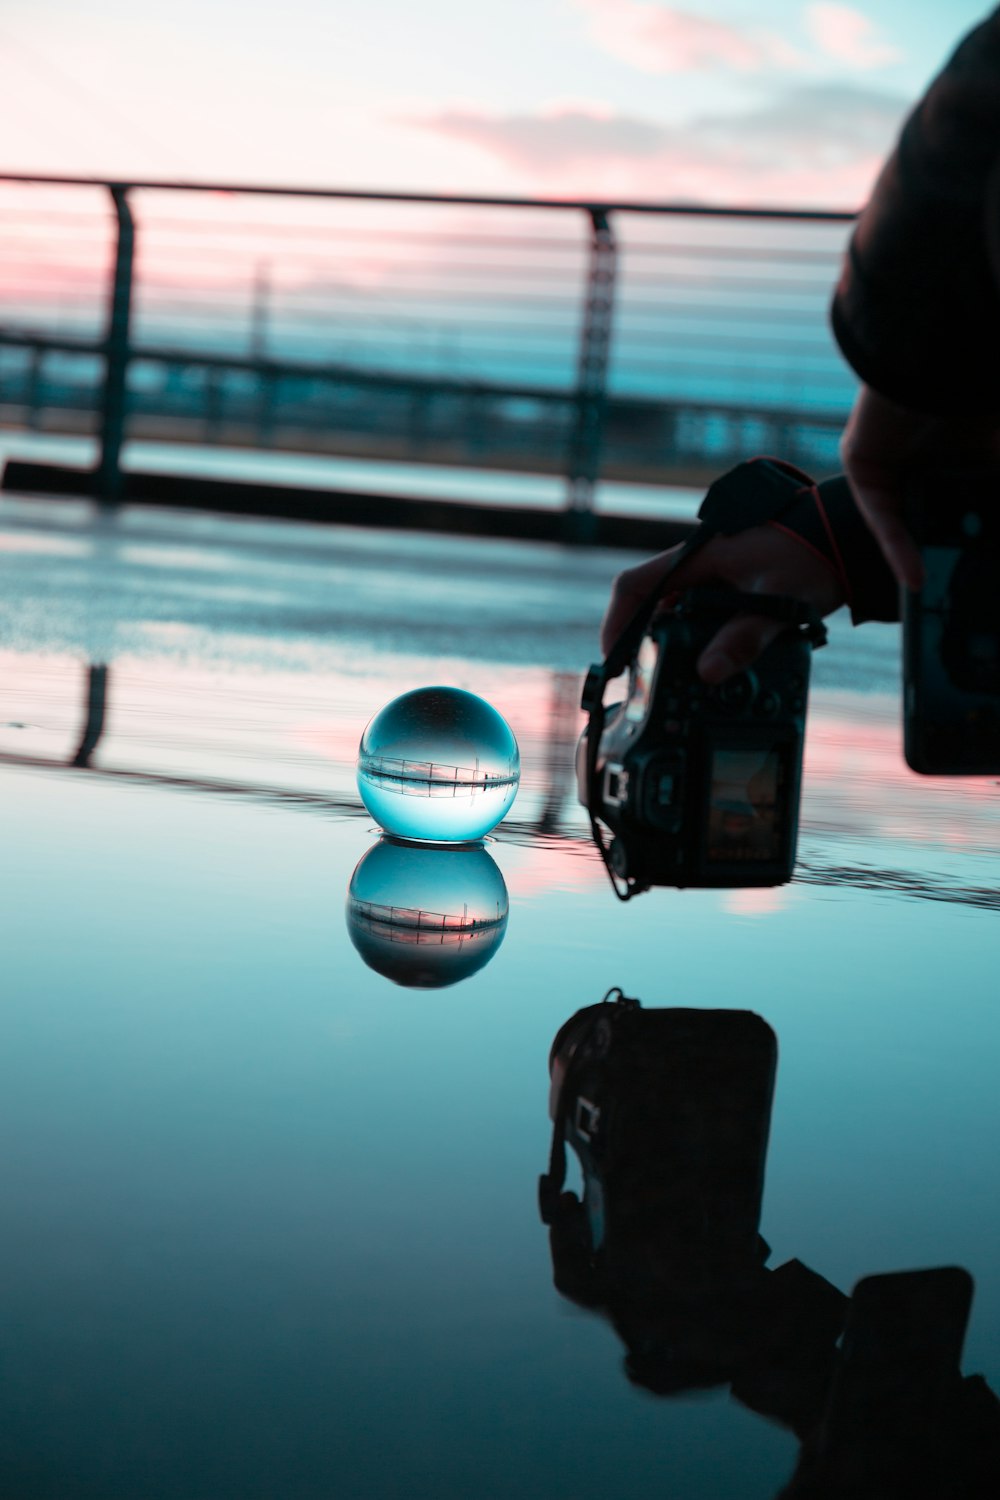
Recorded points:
699,785
951,627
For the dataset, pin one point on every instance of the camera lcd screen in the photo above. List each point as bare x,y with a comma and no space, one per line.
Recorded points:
745,808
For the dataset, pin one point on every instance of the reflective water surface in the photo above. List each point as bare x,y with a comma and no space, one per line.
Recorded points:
271,1217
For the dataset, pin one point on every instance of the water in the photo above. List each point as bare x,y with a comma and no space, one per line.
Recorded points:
271,1223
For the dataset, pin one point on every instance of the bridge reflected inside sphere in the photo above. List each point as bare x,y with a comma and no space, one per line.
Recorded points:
438,765
426,917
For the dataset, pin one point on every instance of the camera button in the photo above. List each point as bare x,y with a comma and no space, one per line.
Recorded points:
738,692
770,703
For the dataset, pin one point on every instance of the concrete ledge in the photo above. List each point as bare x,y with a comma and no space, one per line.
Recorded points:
355,508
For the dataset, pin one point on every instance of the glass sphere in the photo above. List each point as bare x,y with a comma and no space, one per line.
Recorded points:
439,765
426,917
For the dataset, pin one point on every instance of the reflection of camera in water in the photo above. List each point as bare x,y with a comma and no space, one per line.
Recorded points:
699,785
951,628
668,1112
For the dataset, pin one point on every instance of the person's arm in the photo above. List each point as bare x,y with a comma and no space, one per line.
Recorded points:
917,314
760,560
817,549
917,310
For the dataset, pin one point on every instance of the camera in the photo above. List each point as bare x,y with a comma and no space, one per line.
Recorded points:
699,785
951,627
668,1113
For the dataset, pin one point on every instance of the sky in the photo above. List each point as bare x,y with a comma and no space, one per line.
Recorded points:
775,103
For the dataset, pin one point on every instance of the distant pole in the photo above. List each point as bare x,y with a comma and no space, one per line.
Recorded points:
260,310
584,456
116,353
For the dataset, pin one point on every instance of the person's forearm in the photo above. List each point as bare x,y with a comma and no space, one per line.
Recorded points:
917,309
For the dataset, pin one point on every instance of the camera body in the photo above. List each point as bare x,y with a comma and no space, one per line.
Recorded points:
668,1113
700,785
951,627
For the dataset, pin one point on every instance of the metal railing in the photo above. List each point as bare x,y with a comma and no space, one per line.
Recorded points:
411,924
428,778
635,341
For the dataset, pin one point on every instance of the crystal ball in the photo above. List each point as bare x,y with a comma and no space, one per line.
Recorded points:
426,917
438,765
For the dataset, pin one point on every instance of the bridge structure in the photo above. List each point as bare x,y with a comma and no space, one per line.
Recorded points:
644,343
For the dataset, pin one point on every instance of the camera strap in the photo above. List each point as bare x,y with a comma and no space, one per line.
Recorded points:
550,1185
753,493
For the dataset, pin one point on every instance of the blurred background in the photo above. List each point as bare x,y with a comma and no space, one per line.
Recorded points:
535,352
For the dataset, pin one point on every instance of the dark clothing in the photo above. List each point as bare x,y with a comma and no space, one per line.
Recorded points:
917,309
873,593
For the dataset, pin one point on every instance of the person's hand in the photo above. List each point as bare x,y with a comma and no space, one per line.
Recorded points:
883,443
761,560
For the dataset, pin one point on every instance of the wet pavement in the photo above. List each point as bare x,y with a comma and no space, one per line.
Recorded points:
271,1214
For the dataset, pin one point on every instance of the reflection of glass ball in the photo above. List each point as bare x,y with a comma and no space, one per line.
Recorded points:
426,917
438,764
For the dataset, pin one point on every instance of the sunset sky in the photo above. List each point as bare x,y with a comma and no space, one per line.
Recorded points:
780,102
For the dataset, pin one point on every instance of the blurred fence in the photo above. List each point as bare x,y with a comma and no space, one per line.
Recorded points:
641,343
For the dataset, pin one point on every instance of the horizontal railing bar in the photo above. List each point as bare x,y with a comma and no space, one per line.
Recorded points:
489,390
463,200
405,384
87,228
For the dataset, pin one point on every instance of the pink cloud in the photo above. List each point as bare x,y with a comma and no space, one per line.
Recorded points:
662,39
816,146
848,36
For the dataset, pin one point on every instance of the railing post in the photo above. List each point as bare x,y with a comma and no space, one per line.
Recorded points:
97,697
33,394
116,352
584,456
